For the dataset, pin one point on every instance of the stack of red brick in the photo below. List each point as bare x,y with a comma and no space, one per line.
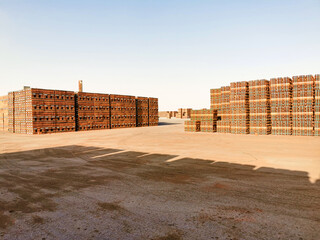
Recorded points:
239,104
259,104
317,105
142,106
224,122
302,105
39,111
215,98
153,112
204,120
4,113
281,105
123,111
93,111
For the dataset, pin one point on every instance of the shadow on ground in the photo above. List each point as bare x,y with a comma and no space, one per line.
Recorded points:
30,180
167,123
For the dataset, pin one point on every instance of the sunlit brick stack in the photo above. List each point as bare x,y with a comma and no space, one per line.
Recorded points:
239,104
85,111
11,122
45,111
142,108
65,111
153,112
215,98
102,111
259,104
123,111
204,120
317,106
4,113
190,125
93,111
39,111
224,123
19,114
281,105
302,105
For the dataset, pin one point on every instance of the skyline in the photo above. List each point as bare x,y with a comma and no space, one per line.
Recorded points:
173,50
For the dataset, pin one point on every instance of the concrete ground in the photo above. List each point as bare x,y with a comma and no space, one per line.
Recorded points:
159,183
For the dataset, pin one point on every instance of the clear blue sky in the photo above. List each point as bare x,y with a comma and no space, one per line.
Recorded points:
175,50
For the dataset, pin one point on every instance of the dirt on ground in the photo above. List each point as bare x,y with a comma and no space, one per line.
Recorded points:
159,183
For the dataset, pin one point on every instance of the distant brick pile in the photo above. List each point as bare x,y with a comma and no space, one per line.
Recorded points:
281,106
40,111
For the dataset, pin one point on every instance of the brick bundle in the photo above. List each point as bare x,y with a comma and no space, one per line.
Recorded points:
43,113
4,113
190,125
215,98
65,111
93,111
153,112
183,113
11,122
39,111
142,108
302,105
239,104
224,115
123,111
317,105
204,120
281,105
259,104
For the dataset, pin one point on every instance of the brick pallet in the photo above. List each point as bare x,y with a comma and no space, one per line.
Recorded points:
259,104
281,105
39,111
190,125
203,120
215,98
224,121
142,107
317,105
4,113
93,111
302,105
123,111
239,104
153,112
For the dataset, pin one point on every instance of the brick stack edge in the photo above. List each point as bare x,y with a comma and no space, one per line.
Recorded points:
239,102
40,111
317,106
204,120
4,113
153,112
281,106
259,107
142,111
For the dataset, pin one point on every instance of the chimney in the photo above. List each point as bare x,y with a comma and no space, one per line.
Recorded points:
80,86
